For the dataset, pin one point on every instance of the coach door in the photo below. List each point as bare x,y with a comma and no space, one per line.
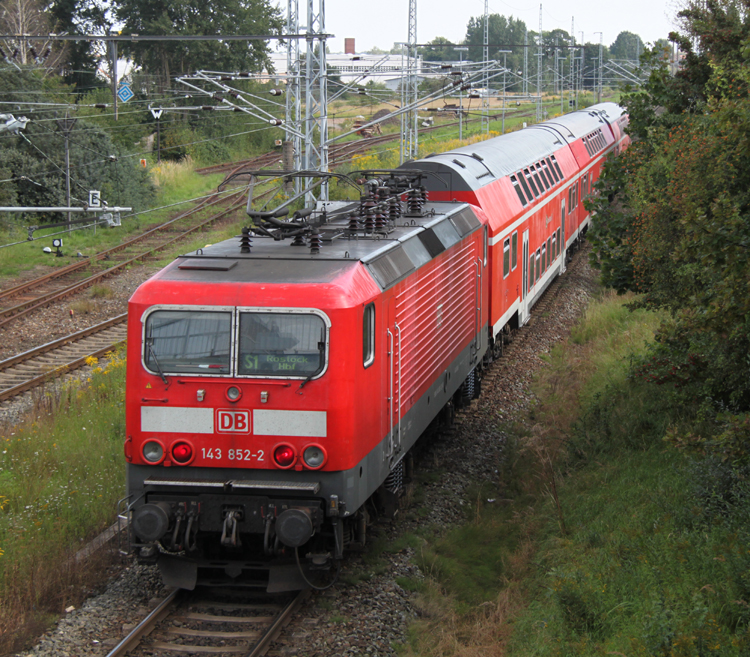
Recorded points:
525,279
562,241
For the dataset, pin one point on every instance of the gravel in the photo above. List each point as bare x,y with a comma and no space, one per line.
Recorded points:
369,617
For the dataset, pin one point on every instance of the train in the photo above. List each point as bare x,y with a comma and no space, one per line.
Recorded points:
278,381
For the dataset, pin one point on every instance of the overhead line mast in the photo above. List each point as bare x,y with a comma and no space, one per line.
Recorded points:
409,92
316,97
293,101
486,79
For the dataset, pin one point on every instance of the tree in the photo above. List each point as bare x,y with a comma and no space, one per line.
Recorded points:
679,232
34,160
28,17
81,58
627,46
503,34
439,49
189,17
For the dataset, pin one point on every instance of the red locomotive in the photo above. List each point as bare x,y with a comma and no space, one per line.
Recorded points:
277,382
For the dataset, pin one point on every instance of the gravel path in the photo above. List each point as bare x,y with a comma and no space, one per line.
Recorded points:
369,617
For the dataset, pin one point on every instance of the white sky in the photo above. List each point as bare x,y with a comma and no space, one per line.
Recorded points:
382,22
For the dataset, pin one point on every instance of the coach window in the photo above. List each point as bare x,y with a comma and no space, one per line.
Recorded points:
531,270
549,250
368,335
531,182
547,173
554,246
544,257
187,342
526,189
557,167
552,169
559,242
514,251
541,184
506,257
517,187
288,344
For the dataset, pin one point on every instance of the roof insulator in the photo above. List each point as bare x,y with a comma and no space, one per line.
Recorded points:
316,241
245,240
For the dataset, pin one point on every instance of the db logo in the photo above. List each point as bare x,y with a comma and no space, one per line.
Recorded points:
233,421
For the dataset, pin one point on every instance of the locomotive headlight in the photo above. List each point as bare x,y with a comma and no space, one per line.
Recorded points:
233,393
153,451
314,456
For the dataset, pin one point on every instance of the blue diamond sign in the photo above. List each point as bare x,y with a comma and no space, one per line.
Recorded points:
125,93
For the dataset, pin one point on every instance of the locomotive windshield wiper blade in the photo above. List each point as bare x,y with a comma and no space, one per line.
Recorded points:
151,351
321,351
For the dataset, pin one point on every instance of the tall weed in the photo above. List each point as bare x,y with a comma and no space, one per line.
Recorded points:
61,474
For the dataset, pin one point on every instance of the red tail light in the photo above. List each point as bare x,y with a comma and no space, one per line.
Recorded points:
182,453
284,456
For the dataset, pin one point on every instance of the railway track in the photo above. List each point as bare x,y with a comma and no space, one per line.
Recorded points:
32,295
341,153
212,621
41,364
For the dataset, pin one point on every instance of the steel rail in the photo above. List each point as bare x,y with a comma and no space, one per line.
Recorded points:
20,310
278,625
53,372
56,344
159,613
354,146
62,271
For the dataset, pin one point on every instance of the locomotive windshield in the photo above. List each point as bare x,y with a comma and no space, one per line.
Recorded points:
281,344
195,342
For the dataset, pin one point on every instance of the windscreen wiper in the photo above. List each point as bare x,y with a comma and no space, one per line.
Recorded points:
321,351
152,353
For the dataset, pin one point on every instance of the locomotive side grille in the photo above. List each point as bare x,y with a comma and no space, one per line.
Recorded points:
436,316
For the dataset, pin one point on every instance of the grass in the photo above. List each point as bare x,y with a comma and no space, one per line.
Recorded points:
175,183
597,545
61,475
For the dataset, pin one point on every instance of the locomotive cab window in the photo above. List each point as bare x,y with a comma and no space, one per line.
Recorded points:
281,344
187,342
368,335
